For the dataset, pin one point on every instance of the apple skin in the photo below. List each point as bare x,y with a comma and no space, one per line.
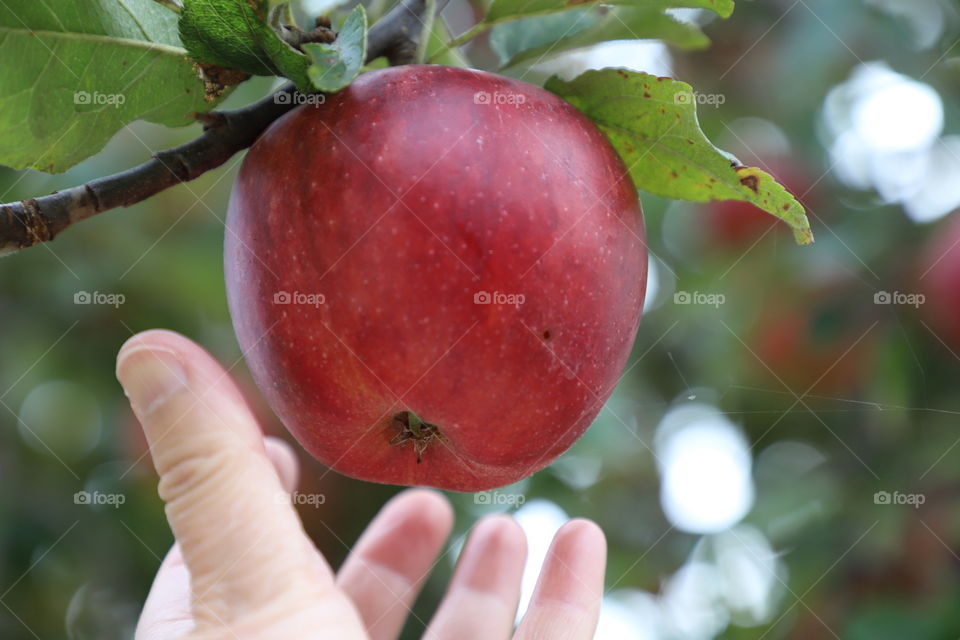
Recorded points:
399,199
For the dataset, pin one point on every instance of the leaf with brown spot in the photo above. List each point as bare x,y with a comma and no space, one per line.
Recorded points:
749,180
660,137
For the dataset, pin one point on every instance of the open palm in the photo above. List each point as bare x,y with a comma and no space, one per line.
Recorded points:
244,569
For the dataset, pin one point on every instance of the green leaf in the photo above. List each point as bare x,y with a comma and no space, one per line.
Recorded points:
509,39
237,34
437,46
74,73
426,31
621,20
224,33
336,65
502,10
652,123
594,26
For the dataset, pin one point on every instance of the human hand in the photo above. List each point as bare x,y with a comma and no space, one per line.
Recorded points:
244,569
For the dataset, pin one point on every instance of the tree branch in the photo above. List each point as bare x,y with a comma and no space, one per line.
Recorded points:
35,220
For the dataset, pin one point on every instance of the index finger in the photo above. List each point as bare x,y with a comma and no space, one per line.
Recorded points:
240,538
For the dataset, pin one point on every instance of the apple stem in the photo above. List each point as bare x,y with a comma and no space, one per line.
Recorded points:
414,423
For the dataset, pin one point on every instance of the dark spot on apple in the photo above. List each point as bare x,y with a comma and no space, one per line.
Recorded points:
751,182
646,94
622,73
410,428
786,207
674,174
546,334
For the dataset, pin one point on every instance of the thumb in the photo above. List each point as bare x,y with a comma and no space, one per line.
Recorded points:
241,540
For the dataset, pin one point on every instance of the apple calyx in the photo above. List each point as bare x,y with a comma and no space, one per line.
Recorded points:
412,428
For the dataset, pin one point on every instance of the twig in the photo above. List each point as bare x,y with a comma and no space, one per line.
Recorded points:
35,220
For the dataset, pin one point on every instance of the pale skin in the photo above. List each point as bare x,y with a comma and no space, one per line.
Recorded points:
243,568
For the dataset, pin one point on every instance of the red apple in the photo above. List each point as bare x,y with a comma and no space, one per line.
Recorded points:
436,276
939,281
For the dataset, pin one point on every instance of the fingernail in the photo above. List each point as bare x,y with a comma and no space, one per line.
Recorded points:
149,375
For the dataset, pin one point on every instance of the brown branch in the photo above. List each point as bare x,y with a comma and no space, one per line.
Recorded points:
35,220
